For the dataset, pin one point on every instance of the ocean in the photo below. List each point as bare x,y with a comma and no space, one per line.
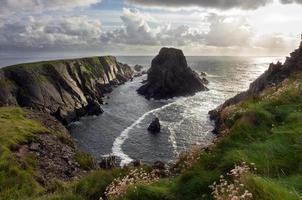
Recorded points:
122,129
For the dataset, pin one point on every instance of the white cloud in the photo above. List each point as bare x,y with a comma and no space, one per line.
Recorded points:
275,43
136,30
43,34
228,31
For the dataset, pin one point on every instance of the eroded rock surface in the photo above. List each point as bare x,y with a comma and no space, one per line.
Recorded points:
67,89
170,76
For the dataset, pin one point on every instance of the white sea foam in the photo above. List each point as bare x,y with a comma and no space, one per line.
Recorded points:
119,141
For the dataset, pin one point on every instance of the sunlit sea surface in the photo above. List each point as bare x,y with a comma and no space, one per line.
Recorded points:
122,129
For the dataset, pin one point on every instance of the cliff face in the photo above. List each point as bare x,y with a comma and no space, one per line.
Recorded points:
170,76
66,89
275,75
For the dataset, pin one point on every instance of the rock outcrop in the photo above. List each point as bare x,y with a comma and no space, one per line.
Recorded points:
67,89
138,68
275,74
55,154
154,127
170,76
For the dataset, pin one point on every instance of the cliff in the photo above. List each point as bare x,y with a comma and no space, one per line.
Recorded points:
271,78
170,76
66,89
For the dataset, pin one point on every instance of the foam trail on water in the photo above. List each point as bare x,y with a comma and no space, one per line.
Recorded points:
172,137
119,141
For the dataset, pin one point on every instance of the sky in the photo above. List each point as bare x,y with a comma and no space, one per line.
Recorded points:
142,27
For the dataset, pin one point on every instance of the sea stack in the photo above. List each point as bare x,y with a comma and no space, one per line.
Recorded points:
170,76
154,127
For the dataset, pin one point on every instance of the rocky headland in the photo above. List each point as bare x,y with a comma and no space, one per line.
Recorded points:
67,89
170,76
274,76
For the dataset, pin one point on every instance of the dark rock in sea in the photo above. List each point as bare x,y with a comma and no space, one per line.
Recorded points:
203,74
154,127
93,107
170,76
138,68
137,75
67,89
108,162
205,81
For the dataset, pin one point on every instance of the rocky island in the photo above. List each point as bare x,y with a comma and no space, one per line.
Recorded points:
170,76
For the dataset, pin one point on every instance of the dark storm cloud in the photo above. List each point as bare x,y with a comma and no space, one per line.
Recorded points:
9,7
220,4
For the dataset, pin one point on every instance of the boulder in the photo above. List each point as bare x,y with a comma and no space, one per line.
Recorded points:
93,107
170,76
154,127
138,68
136,163
205,81
203,74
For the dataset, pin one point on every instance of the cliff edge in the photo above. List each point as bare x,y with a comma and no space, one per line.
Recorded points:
270,79
67,89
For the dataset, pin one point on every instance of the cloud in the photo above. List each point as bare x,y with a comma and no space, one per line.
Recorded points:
141,33
53,34
228,31
135,30
9,7
275,43
220,4
291,1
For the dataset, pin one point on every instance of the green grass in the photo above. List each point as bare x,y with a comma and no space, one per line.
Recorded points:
85,160
15,129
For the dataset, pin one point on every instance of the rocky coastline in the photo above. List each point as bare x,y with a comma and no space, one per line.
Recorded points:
66,89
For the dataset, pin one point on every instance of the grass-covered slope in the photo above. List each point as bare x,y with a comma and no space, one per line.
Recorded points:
22,170
15,129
